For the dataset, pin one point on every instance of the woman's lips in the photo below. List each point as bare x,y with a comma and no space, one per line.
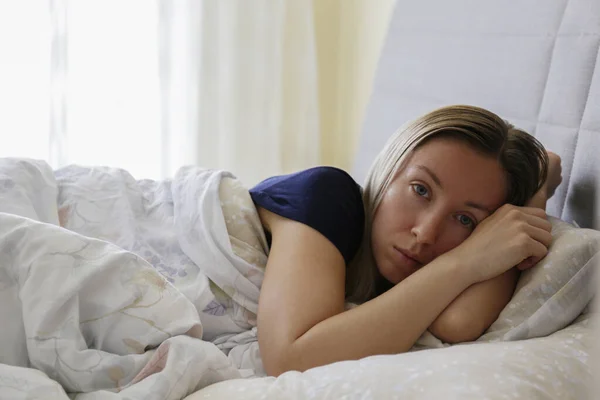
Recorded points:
406,259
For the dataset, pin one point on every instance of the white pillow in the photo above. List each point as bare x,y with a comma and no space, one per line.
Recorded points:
552,294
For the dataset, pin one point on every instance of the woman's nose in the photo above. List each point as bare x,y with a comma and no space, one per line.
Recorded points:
428,227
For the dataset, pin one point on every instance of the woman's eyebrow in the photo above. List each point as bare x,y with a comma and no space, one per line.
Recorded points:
478,206
437,181
431,174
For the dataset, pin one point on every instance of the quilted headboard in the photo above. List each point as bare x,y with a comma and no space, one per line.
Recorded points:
535,63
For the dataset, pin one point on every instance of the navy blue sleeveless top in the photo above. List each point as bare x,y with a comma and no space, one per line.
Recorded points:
325,198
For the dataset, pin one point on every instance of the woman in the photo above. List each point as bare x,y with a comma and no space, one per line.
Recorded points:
451,205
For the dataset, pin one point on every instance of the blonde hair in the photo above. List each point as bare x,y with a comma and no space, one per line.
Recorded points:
522,156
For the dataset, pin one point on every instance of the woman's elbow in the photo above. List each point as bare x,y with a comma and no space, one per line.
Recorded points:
457,327
273,362
276,363
275,367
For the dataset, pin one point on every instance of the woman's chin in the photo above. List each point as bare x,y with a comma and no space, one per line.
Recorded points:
393,274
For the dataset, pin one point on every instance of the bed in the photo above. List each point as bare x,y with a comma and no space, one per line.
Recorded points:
537,64
116,288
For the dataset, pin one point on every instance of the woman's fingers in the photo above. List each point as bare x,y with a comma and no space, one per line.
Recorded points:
527,263
541,235
511,236
539,229
538,250
539,212
538,222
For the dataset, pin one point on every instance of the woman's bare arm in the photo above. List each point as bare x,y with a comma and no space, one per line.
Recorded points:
476,309
301,319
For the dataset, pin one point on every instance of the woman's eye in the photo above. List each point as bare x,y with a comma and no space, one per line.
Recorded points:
466,221
420,190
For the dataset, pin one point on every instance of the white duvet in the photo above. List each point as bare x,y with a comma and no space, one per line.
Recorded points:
115,302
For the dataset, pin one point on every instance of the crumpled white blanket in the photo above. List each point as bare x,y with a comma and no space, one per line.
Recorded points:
107,285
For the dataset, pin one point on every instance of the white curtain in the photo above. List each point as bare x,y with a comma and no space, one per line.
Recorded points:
249,69
24,79
150,85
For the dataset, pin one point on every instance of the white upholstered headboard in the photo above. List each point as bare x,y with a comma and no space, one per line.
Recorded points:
535,63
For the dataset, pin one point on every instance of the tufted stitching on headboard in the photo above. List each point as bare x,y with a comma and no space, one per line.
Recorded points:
589,89
576,147
544,92
543,96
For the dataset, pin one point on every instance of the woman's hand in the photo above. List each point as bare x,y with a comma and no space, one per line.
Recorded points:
506,238
554,174
553,179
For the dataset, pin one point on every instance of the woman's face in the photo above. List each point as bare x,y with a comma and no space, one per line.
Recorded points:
433,204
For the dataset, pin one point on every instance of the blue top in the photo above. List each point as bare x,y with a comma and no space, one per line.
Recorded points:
325,198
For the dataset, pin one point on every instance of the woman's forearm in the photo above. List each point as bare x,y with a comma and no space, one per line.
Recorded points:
388,324
474,310
539,199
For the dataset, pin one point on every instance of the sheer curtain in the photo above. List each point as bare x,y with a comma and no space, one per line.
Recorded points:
250,70
24,79
150,85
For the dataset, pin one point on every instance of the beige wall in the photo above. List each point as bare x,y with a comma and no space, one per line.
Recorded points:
349,36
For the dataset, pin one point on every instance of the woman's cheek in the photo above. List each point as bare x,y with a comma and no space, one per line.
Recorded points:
455,236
